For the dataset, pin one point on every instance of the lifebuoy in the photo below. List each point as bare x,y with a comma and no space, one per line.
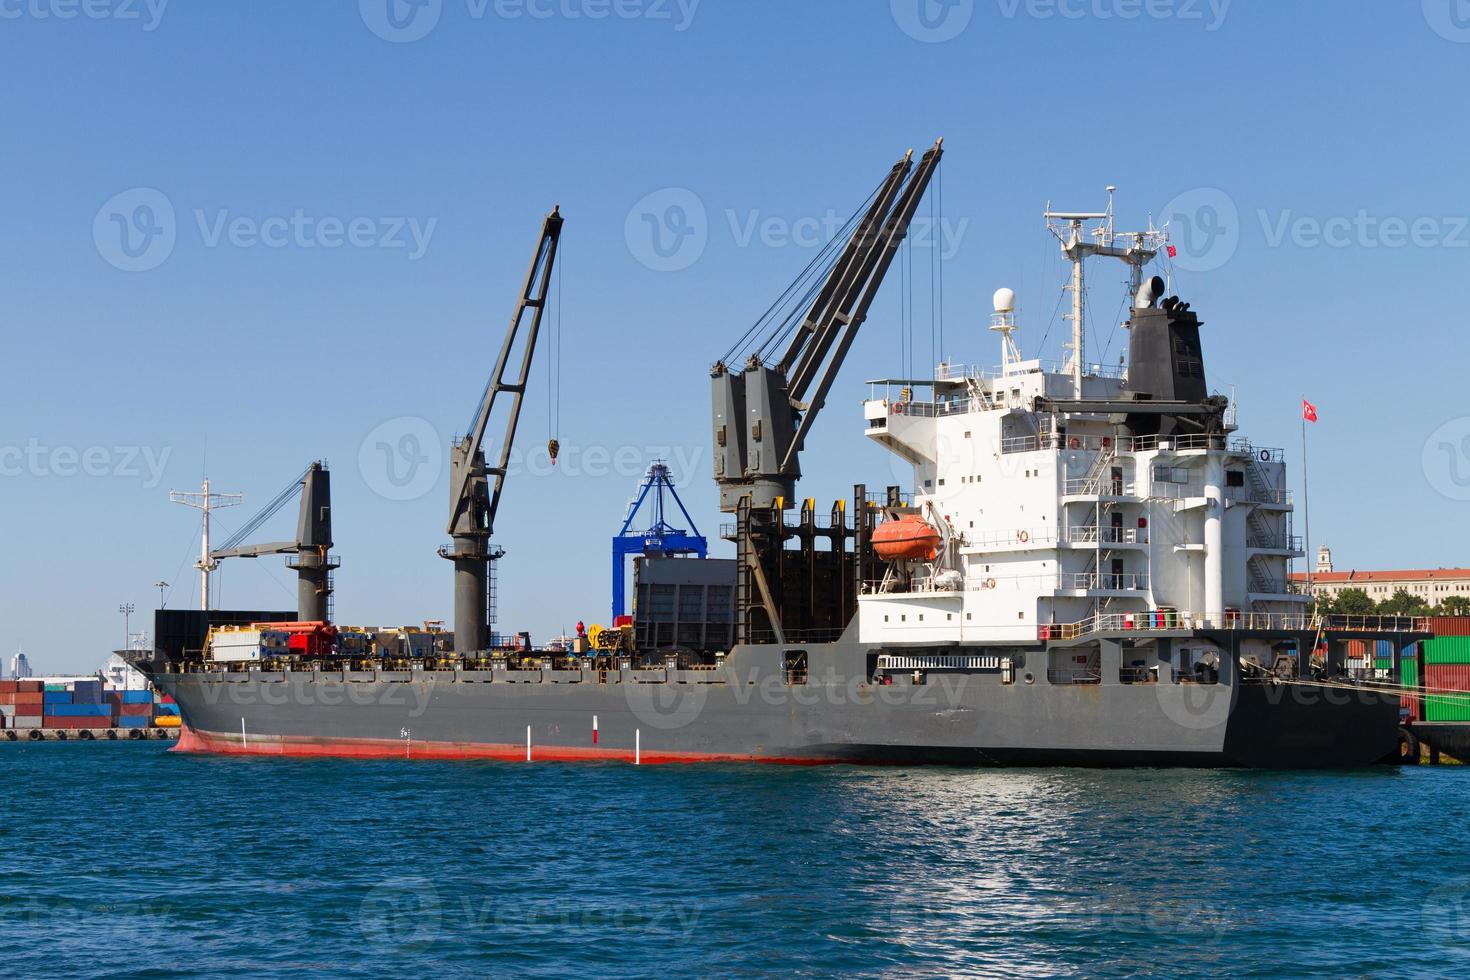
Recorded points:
898,408
990,583
1023,536
1075,443
1265,455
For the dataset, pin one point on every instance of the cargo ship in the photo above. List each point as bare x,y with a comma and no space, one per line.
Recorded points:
1090,567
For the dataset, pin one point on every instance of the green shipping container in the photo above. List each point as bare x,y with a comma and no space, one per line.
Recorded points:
1447,650
57,687
1411,670
1447,707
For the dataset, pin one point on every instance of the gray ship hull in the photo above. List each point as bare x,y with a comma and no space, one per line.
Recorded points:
754,708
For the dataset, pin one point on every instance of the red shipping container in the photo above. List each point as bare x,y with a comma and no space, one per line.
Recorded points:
1448,677
135,710
7,698
1449,625
32,687
1414,706
29,700
9,687
76,724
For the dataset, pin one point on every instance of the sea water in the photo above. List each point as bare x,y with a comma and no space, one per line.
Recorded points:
126,859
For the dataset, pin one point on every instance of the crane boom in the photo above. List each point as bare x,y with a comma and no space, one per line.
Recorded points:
763,413
533,298
474,499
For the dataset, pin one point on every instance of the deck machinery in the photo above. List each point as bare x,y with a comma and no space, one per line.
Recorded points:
309,556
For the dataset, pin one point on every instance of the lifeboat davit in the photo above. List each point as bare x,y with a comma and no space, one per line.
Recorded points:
906,539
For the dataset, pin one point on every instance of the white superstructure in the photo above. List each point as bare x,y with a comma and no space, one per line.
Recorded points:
1054,512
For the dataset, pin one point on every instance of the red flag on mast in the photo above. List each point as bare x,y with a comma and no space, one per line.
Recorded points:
1309,411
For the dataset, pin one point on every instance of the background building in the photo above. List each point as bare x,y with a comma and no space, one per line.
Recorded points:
1433,585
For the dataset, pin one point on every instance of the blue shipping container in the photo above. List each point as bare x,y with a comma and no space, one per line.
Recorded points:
56,697
137,697
86,692
133,721
78,710
168,709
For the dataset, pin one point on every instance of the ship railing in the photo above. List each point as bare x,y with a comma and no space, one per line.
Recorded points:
1020,444
1103,582
1174,443
1074,675
1091,534
1097,487
960,372
1244,447
1169,490
881,499
1003,539
1275,542
937,409
1162,620
1258,495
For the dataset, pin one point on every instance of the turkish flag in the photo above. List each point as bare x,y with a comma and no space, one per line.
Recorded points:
1309,411
1173,252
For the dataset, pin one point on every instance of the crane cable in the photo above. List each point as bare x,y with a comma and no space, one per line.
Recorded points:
554,369
824,262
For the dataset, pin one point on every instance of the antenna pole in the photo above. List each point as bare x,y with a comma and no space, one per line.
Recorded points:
207,501
1079,283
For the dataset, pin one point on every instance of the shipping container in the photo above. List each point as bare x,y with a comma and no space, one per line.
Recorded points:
26,721
29,699
31,687
1448,707
167,709
56,687
86,692
78,711
1448,650
1449,625
73,723
7,711
56,697
137,697
133,721
9,687
133,710
1448,677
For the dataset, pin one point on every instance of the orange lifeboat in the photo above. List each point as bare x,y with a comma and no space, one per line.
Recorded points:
906,539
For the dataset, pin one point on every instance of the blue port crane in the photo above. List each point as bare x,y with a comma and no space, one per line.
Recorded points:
661,539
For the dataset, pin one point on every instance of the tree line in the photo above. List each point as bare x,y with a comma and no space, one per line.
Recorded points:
1357,602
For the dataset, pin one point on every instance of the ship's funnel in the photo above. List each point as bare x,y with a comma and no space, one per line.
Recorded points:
1149,293
1165,362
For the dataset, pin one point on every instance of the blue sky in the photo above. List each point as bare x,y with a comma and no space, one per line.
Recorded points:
329,211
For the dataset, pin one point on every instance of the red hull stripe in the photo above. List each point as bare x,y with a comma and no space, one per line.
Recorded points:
374,748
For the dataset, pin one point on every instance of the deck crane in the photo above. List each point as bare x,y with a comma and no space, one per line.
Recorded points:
763,413
660,539
311,558
475,487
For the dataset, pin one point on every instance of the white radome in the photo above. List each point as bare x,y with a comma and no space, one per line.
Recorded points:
1005,301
